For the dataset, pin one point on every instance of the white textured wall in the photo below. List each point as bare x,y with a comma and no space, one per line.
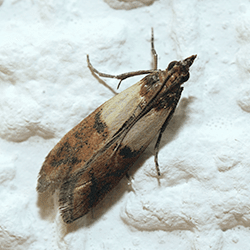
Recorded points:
46,89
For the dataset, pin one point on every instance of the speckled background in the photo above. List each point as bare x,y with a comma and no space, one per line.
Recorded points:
46,89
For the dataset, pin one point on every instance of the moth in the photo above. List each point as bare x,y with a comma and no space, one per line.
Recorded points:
94,156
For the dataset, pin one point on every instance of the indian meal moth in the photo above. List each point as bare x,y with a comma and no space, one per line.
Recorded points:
94,156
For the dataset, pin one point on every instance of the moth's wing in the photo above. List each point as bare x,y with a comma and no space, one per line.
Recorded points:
91,134
86,188
72,151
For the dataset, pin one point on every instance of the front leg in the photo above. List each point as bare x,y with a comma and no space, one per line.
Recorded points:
121,77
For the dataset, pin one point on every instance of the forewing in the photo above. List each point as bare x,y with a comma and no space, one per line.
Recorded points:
76,148
86,188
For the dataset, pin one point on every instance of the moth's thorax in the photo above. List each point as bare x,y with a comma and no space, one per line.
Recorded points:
175,74
160,87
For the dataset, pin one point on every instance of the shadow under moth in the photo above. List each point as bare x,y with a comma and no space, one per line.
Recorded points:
94,156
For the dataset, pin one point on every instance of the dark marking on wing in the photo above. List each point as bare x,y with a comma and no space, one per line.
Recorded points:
99,124
93,188
126,152
168,99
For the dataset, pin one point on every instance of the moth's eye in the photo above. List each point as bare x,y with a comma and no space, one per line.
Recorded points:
186,77
171,65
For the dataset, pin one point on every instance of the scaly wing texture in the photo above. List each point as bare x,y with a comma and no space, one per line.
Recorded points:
93,157
87,187
89,136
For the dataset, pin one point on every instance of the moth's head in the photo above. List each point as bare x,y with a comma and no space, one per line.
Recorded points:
181,68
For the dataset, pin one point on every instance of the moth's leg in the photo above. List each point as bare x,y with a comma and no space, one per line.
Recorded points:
94,71
130,182
154,54
157,145
121,77
92,213
128,177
